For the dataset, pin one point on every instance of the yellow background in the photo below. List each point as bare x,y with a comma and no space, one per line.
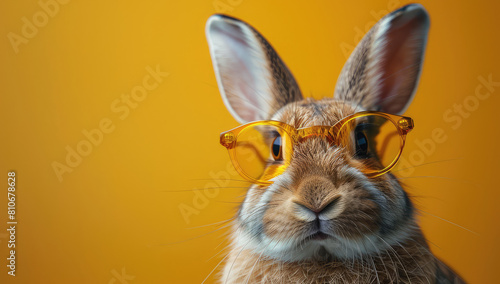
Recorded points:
117,212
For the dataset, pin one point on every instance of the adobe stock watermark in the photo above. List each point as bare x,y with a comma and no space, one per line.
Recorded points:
31,26
202,196
226,6
120,277
121,107
453,117
347,48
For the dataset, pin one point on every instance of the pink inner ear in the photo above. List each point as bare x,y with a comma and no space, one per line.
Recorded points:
241,69
405,43
244,97
245,68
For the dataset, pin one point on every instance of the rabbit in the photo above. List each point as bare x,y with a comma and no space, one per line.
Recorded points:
370,233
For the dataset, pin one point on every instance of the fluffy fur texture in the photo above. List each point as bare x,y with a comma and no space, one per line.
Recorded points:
323,220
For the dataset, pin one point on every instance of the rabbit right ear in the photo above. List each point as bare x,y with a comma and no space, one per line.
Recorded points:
383,71
253,80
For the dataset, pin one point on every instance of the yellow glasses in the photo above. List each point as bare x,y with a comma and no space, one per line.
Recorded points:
262,150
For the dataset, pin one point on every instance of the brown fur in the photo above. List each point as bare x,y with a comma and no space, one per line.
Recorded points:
323,220
411,262
316,180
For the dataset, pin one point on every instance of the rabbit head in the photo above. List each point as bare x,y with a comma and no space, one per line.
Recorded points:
321,206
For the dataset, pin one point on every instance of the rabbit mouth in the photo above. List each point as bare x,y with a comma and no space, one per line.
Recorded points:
319,236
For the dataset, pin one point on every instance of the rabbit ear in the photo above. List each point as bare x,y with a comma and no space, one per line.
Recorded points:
253,80
383,71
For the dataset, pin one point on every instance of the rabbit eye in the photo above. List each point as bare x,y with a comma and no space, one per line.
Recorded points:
361,143
276,148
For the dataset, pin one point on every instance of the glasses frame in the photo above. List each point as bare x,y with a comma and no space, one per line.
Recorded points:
228,138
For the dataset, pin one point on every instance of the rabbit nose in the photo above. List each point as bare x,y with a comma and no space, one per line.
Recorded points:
317,212
316,197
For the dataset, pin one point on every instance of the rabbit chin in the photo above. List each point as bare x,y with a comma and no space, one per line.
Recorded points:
331,248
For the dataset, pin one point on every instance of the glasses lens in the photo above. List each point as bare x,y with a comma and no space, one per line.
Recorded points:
262,151
373,142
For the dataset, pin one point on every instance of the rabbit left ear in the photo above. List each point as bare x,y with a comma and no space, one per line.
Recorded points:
253,80
383,71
